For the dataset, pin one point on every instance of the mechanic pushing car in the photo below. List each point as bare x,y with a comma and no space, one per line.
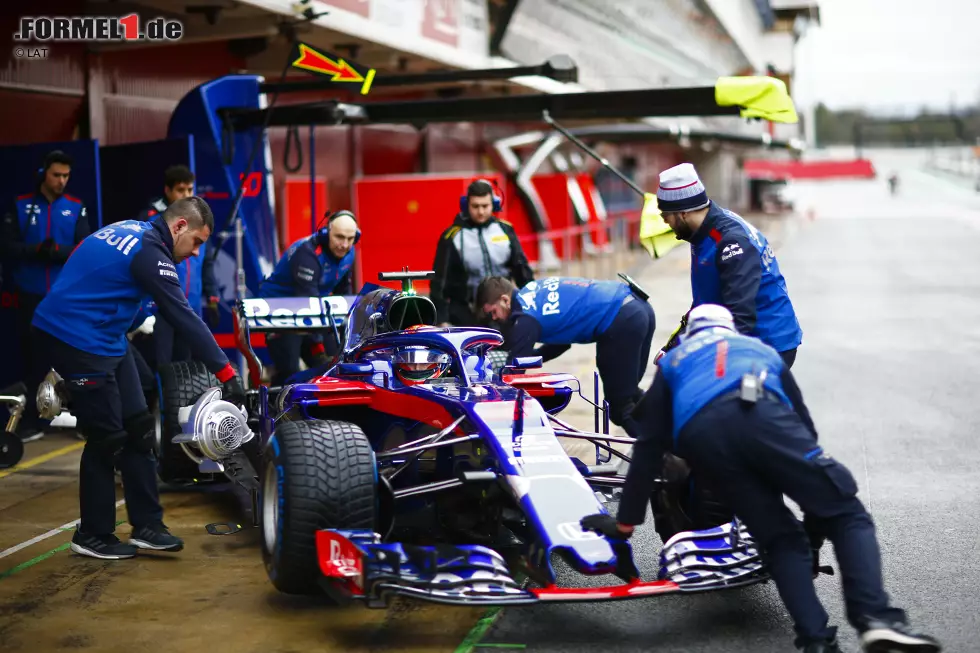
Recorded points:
38,233
303,272
732,263
477,245
81,327
729,405
560,311
196,273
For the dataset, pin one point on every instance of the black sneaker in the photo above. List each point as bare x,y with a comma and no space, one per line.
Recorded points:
895,637
155,538
104,547
830,646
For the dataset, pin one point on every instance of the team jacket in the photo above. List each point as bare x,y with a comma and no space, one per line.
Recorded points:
560,311
689,377
196,272
301,272
31,221
467,253
732,264
99,293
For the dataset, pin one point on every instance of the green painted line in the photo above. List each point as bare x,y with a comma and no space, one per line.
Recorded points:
472,639
485,645
41,558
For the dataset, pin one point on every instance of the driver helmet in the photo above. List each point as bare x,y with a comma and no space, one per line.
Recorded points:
417,364
708,316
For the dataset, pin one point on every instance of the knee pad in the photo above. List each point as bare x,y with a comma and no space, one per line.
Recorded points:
103,439
141,432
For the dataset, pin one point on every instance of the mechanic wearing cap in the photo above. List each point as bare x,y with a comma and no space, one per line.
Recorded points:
477,245
729,405
81,327
560,311
314,266
196,273
732,263
39,231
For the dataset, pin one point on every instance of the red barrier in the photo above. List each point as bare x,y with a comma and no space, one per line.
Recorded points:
592,197
779,169
295,222
401,218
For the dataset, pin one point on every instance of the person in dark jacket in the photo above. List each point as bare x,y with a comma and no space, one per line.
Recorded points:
561,311
196,273
315,266
477,245
81,327
39,231
732,263
753,447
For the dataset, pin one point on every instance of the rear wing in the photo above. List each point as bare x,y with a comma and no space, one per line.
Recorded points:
283,315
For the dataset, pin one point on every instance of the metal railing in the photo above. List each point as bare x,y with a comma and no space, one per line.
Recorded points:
597,250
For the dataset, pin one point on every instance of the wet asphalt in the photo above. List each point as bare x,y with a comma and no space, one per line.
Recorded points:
887,290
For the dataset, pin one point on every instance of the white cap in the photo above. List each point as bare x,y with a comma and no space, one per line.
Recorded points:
681,190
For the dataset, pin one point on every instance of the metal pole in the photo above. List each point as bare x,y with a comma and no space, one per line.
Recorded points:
313,213
240,283
588,150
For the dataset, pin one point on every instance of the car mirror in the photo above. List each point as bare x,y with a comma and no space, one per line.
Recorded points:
356,368
525,363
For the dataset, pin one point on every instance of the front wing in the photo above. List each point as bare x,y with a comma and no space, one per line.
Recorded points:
356,565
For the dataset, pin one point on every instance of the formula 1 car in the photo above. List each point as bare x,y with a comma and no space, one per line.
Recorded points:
408,466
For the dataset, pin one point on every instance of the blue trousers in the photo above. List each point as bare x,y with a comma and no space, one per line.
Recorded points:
753,455
622,352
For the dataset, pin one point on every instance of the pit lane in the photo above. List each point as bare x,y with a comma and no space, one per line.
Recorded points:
883,287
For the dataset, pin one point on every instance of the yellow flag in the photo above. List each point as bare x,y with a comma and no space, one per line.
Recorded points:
655,236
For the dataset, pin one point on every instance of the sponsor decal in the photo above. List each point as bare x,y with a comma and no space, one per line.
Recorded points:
169,273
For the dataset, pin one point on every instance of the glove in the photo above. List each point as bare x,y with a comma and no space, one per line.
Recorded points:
233,391
605,525
212,311
46,248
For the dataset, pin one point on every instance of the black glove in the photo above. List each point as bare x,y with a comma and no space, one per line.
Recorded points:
46,248
233,391
604,524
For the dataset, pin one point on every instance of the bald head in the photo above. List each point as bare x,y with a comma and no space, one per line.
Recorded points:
343,230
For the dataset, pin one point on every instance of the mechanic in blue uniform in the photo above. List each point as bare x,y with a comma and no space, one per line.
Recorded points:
732,263
561,311
315,266
196,273
729,405
81,327
38,233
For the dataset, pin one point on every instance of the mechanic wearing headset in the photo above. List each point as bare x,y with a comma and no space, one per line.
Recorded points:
81,327
303,272
732,263
196,273
38,233
729,405
476,246
560,311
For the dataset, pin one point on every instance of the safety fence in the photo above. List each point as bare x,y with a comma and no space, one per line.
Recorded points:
596,250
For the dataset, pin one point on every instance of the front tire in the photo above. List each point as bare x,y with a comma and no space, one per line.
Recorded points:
318,474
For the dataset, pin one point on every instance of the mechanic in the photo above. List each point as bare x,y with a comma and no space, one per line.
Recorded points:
303,272
81,327
39,231
196,273
732,263
729,405
476,246
560,311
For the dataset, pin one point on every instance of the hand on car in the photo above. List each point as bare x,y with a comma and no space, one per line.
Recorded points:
233,390
606,525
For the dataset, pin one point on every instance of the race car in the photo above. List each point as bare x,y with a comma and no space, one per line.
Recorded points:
408,466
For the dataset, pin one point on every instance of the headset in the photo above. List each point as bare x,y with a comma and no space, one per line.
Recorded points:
323,232
50,158
482,185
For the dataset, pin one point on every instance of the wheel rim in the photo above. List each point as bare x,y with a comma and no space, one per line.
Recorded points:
270,508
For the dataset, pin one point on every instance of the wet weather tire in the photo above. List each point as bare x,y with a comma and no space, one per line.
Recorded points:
318,474
179,384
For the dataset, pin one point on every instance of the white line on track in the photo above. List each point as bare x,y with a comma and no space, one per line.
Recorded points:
54,531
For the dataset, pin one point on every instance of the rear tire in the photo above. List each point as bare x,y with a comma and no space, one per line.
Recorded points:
318,474
178,384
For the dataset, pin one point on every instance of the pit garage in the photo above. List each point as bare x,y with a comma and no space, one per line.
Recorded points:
575,168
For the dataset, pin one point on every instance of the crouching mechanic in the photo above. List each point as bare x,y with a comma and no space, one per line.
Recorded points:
729,406
315,266
561,311
81,326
